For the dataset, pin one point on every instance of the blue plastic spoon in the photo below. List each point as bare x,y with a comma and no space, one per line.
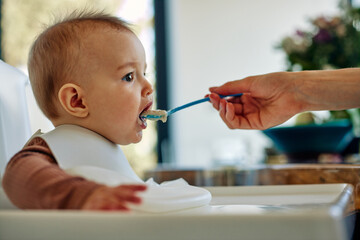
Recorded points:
164,114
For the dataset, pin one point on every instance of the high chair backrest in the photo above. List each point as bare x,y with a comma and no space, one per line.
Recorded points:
14,118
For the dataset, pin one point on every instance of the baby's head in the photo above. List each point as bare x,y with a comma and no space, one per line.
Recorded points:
89,70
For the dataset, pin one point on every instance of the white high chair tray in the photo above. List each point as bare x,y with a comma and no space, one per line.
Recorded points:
257,212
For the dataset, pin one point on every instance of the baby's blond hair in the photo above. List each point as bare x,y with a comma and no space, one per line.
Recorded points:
55,56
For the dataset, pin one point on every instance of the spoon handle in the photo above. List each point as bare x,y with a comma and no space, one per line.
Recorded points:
171,111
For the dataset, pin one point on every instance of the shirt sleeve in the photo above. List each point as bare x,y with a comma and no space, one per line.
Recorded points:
33,180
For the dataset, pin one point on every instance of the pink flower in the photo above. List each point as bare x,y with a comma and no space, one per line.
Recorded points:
300,33
322,36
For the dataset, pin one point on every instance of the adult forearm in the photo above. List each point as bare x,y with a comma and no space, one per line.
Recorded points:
328,89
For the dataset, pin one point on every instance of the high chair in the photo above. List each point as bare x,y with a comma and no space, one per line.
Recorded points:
14,118
252,212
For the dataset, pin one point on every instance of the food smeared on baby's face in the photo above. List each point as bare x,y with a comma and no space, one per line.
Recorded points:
155,115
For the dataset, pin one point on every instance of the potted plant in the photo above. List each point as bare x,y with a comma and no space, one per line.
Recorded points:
330,43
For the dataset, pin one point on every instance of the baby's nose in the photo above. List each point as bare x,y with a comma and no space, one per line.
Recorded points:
148,88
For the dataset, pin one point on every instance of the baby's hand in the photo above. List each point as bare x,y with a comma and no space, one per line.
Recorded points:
113,198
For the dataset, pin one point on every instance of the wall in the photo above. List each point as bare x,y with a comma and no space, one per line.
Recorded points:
212,42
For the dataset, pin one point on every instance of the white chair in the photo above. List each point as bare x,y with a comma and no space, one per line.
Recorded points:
301,211
14,118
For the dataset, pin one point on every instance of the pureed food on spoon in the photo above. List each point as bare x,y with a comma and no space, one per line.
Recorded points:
155,115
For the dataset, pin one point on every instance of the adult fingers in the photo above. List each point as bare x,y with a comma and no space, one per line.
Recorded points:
222,113
237,86
215,100
230,112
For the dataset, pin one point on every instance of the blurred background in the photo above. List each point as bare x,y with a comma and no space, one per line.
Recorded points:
190,46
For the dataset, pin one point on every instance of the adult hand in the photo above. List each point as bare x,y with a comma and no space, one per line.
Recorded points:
268,100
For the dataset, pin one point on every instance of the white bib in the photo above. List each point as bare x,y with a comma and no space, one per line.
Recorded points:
82,152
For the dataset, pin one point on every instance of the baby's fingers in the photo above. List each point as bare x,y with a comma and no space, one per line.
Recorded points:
115,205
131,199
128,193
134,187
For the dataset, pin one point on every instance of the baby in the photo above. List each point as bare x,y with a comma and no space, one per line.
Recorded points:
87,73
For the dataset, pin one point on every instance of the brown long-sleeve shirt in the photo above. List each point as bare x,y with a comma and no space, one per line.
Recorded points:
33,180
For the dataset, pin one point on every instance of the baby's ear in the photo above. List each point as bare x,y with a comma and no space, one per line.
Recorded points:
71,97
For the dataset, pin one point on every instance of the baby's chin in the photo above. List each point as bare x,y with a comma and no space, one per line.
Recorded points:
139,137
129,140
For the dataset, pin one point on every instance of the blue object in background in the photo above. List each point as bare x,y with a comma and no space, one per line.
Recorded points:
331,137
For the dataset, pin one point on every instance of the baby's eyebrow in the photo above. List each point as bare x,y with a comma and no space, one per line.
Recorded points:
128,64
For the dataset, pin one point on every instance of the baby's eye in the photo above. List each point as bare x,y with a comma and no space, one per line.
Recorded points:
128,77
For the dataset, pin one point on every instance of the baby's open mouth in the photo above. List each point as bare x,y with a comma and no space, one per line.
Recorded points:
143,119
